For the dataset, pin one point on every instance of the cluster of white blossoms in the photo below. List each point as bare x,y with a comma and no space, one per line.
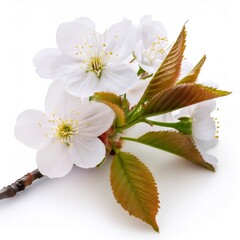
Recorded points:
86,62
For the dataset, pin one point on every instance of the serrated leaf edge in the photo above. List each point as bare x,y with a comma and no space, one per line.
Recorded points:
153,224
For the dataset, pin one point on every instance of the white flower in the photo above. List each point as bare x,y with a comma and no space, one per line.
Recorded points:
152,47
203,127
66,134
150,51
136,92
88,61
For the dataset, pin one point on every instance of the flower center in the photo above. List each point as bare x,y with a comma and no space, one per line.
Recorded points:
96,65
94,53
65,131
157,48
62,130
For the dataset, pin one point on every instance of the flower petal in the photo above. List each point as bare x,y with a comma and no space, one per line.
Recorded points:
204,129
86,21
207,144
51,63
72,34
54,160
120,39
148,67
118,78
136,92
66,69
85,86
209,158
31,129
202,146
60,102
150,30
87,152
95,118
138,52
203,109
43,59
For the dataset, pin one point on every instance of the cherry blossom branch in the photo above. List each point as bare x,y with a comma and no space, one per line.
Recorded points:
20,184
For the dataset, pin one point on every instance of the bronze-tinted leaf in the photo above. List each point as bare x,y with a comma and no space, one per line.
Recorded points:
120,115
134,188
180,96
193,75
111,97
176,143
107,96
169,70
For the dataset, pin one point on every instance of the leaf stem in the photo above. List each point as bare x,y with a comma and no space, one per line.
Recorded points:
129,139
134,110
165,124
20,184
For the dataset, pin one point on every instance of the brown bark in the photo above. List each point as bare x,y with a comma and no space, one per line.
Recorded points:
20,184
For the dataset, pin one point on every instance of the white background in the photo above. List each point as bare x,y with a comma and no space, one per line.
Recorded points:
195,203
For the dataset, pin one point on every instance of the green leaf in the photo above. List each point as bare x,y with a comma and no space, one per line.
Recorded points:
169,70
134,188
193,75
180,96
176,143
